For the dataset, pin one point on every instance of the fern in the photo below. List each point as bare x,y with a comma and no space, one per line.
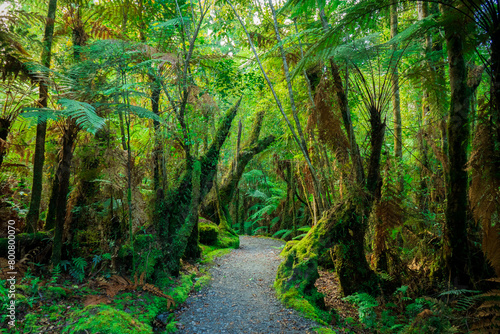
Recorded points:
258,229
84,114
366,304
304,228
300,236
56,273
488,313
280,232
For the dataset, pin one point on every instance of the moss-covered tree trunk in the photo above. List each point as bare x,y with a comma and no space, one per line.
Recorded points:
229,184
339,238
178,203
41,128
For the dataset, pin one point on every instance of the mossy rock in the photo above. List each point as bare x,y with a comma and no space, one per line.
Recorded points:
209,232
104,319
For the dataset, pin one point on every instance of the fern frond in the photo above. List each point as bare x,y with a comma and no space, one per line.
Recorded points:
83,113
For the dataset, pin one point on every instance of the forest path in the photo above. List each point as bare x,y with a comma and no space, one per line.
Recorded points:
241,298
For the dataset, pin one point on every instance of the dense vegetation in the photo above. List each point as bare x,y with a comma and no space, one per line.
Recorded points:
138,137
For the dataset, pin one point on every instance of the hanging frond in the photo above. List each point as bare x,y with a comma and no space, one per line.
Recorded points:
328,121
83,114
484,192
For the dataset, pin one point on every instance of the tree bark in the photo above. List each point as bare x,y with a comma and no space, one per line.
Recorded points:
174,210
4,132
157,150
396,108
41,128
456,247
63,174
229,184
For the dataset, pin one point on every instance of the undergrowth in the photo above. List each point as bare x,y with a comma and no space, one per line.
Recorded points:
66,300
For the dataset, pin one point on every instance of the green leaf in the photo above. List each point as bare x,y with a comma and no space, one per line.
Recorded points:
83,113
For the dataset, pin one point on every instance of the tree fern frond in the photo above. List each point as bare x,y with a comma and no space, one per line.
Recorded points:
84,114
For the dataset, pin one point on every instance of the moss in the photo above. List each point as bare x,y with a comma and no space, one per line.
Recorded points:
180,292
209,233
227,237
144,307
337,238
53,293
171,327
202,281
104,319
324,330
210,253
294,299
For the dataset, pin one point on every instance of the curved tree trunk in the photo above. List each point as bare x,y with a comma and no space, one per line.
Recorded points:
174,211
230,183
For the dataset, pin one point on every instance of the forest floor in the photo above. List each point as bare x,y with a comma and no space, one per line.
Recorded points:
241,298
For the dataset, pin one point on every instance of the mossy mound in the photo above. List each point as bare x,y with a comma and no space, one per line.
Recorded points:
225,236
228,238
53,293
337,239
104,319
209,232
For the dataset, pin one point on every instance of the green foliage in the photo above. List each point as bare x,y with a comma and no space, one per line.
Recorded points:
105,320
366,307
76,268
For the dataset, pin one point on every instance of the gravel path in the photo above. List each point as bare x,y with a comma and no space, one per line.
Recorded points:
241,298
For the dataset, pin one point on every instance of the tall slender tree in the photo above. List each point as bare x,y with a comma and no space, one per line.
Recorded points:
41,129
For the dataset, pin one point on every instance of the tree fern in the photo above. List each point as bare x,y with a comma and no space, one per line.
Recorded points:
83,113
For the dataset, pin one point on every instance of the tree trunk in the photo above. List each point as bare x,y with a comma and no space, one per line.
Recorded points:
41,128
377,132
456,245
396,108
174,210
157,150
495,87
229,183
63,174
4,132
50,221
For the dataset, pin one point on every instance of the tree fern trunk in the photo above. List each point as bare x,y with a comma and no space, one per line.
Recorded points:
63,174
41,128
455,238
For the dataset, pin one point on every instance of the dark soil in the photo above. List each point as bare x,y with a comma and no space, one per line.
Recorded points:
241,298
